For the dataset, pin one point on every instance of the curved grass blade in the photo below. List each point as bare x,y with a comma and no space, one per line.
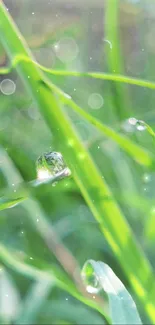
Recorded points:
122,307
96,75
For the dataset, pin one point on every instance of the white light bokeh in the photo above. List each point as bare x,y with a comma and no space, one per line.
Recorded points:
95,101
66,49
7,87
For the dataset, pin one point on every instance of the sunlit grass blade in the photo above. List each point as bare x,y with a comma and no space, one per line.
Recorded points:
99,275
93,187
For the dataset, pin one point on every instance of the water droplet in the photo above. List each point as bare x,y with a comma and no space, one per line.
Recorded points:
90,279
95,101
50,164
132,120
31,258
7,87
140,125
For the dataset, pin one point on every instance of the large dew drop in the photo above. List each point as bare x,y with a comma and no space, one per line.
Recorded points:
90,279
51,164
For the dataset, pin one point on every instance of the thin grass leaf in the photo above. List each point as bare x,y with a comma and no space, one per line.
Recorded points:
122,307
95,75
94,189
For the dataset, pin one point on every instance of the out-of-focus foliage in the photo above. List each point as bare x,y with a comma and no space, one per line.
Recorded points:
77,36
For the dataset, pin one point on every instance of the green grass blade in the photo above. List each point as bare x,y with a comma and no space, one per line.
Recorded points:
122,307
96,75
94,189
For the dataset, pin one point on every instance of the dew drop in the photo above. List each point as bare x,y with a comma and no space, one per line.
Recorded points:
51,164
140,125
90,279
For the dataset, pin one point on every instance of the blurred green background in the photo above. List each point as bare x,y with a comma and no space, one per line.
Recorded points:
82,36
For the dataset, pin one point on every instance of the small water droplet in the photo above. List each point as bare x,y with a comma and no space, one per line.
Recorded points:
132,120
50,164
31,258
90,279
140,125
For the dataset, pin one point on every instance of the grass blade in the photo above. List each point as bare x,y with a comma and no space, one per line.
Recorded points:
122,307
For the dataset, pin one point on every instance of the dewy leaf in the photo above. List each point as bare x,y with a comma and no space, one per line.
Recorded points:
99,275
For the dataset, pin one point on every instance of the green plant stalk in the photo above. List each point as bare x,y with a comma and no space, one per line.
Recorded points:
114,55
96,75
95,191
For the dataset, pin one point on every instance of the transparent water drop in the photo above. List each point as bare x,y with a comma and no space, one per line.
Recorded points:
7,87
90,280
140,125
132,120
51,164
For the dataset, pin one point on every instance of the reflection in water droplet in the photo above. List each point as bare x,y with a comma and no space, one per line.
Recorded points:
50,164
95,101
140,125
7,87
132,123
132,120
90,279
